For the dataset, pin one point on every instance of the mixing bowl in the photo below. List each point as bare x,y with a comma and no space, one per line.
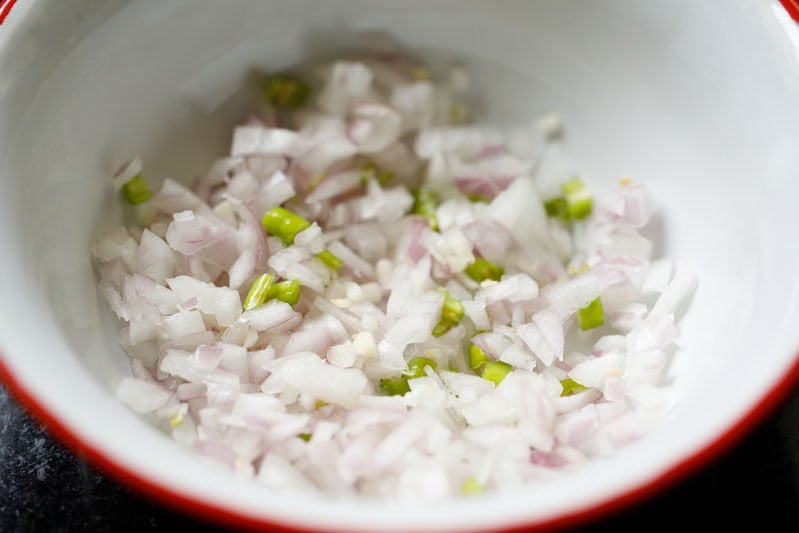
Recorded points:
698,100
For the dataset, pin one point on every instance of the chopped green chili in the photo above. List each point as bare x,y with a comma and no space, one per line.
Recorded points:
383,177
287,92
477,357
371,170
451,313
471,487
482,269
571,387
286,291
495,371
556,207
398,385
477,198
577,198
424,204
259,291
283,223
574,204
330,260
136,190
591,316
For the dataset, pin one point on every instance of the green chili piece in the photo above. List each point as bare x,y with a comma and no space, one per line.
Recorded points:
330,260
591,316
571,387
495,371
287,92
283,223
259,291
286,291
136,190
482,269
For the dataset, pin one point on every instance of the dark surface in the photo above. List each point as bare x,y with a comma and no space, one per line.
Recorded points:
43,487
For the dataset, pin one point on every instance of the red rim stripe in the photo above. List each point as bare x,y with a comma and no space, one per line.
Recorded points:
792,7
5,8
219,514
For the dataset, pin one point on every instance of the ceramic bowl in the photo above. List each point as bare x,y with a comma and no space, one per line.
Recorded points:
698,100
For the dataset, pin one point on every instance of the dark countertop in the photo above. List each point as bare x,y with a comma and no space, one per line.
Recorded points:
44,487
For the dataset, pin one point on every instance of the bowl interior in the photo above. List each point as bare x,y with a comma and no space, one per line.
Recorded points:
696,100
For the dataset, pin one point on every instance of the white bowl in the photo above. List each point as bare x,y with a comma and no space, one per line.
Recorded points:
696,99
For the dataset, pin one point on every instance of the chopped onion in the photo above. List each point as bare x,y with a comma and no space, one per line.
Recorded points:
367,296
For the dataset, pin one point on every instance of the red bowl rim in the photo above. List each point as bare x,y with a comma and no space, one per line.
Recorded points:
5,8
792,7
199,508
